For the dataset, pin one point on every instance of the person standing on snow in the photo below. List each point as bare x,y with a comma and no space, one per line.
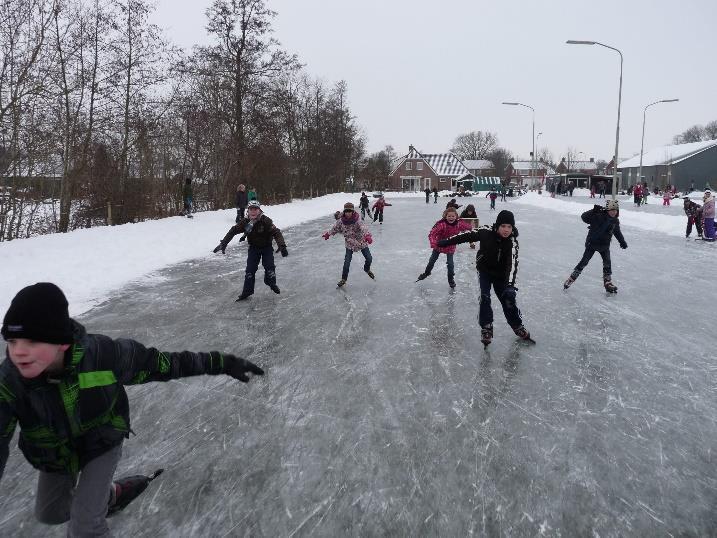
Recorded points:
363,205
428,194
435,195
447,227
259,231
356,237
65,389
492,195
708,214
497,264
694,215
188,197
378,209
604,223
240,201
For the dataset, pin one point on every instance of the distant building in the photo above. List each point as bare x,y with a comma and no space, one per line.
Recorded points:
480,167
579,167
417,171
521,172
681,165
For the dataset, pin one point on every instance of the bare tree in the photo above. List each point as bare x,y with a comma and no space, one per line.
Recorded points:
474,145
546,156
710,130
696,133
501,158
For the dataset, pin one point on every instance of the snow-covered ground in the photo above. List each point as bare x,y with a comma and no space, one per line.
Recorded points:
89,264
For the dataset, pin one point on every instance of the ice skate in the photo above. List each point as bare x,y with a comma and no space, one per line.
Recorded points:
243,297
522,333
451,282
127,489
568,282
422,276
341,283
610,287
486,334
275,289
370,274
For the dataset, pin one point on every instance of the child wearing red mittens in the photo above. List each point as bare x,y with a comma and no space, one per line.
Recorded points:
357,238
448,226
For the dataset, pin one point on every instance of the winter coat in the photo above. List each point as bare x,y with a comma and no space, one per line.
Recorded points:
364,202
70,418
492,195
443,230
693,210
258,232
380,204
708,208
498,256
241,199
187,191
251,195
354,231
469,214
602,228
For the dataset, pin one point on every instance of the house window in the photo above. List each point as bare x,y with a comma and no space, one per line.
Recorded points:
408,165
419,166
442,180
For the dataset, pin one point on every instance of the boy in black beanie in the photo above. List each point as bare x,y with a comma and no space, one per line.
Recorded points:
65,389
497,264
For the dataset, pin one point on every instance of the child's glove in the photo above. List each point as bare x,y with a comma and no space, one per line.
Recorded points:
326,235
598,207
242,238
220,246
442,243
284,252
368,238
623,246
238,368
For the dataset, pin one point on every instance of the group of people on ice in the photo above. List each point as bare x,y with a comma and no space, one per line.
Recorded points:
701,216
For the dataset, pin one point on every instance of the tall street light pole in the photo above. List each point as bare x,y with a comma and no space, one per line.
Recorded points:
642,144
619,102
532,161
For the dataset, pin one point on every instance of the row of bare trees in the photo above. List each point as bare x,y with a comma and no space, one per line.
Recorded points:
697,133
100,111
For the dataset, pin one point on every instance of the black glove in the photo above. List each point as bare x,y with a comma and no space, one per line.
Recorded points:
284,252
624,245
238,368
598,207
220,246
242,238
442,243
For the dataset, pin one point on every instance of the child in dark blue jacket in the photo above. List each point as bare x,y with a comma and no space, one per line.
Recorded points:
604,223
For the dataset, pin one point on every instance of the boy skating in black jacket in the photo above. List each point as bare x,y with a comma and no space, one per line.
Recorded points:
259,230
604,223
497,264
65,389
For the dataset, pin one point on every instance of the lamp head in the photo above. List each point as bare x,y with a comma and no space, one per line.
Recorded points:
579,42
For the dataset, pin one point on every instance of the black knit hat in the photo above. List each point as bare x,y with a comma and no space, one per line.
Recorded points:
39,312
505,217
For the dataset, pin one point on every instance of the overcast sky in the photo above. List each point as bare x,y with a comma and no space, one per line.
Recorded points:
422,72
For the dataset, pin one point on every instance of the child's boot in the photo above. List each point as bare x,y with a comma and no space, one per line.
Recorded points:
486,334
370,274
521,332
423,276
341,283
451,282
568,282
610,287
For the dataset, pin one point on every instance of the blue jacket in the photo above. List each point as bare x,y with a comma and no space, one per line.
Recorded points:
602,228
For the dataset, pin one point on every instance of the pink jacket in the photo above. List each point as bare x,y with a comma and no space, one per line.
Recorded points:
443,230
353,230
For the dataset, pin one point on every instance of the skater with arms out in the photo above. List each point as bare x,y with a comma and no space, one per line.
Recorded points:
65,389
357,238
603,223
448,226
497,264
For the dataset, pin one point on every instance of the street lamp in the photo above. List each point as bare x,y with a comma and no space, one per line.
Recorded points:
532,164
642,144
619,102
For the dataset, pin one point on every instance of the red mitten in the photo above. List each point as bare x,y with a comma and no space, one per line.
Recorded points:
326,235
368,238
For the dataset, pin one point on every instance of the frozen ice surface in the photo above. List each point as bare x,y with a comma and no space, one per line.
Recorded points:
380,413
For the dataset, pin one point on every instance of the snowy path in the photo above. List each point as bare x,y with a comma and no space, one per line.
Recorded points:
380,413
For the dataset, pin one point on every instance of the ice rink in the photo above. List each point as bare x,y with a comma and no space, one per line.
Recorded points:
380,413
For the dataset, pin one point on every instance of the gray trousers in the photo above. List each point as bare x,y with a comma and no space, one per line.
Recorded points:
83,502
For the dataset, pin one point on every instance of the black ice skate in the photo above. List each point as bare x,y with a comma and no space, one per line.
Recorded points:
371,275
275,289
341,283
127,489
243,297
610,287
451,282
522,333
568,282
486,334
423,276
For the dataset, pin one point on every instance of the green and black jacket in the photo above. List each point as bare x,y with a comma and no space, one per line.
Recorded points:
71,418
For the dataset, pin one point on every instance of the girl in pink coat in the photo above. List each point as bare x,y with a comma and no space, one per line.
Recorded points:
357,238
447,227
